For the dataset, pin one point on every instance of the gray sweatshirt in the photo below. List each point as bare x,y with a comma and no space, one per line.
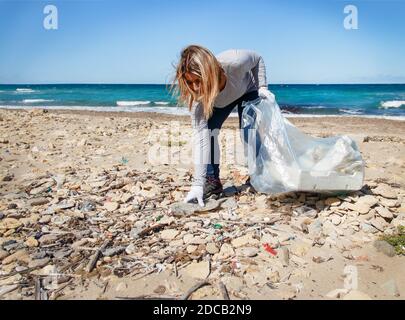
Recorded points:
245,72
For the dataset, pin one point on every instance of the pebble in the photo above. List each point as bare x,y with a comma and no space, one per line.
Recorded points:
38,202
20,255
39,263
198,270
110,252
111,206
226,251
181,209
244,240
385,213
31,242
247,252
384,247
386,191
212,248
305,211
9,223
169,234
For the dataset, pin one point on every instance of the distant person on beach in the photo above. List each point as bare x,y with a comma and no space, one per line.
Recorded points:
212,86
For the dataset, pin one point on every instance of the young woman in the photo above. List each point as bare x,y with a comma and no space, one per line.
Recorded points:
212,86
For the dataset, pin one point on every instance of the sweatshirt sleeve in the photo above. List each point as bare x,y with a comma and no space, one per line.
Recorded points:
201,144
252,61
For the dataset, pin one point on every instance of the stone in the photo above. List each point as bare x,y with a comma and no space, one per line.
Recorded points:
356,295
111,206
305,211
360,207
3,254
191,248
336,220
244,240
21,255
384,247
385,213
379,223
48,239
60,219
9,223
38,201
211,248
38,263
390,203
226,251
31,242
110,252
130,249
285,256
385,191
332,202
391,288
198,270
169,234
181,209
247,252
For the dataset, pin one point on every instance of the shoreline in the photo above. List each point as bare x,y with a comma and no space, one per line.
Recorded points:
141,114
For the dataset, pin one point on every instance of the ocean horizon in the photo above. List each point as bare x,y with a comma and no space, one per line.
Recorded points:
307,100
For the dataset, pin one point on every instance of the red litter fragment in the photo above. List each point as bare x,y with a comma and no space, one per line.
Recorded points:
269,249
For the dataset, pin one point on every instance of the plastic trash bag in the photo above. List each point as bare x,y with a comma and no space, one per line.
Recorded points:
281,158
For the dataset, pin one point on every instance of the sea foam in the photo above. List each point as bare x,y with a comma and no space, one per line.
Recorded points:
392,104
24,90
35,100
132,103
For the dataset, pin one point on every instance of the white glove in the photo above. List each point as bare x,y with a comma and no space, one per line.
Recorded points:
196,192
266,94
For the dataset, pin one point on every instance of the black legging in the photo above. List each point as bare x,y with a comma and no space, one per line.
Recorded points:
216,121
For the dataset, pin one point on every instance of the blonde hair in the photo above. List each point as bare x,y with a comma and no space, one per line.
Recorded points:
201,62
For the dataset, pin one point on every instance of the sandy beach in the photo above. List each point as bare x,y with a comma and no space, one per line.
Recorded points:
85,214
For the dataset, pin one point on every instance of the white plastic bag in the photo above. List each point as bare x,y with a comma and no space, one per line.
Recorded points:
281,158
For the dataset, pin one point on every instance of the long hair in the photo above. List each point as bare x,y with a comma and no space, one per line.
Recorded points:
201,62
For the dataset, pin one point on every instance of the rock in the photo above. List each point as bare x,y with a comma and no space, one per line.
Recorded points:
60,219
130,249
367,228
385,247
38,201
336,220
191,248
226,251
305,211
63,253
48,239
8,177
356,295
199,270
31,242
111,206
9,223
181,209
385,191
3,254
2,215
20,255
211,248
230,191
247,252
385,213
379,223
110,252
87,206
360,207
169,234
244,240
391,288
39,263
390,203
332,202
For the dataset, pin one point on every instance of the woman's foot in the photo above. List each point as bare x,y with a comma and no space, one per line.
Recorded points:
212,186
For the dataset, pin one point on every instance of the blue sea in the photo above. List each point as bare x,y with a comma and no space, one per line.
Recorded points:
370,100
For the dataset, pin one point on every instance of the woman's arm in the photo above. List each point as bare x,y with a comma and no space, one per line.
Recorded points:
201,144
251,61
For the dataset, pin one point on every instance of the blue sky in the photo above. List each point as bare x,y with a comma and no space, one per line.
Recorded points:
136,41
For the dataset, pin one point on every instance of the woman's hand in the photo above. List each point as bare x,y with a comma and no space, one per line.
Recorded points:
196,192
266,94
